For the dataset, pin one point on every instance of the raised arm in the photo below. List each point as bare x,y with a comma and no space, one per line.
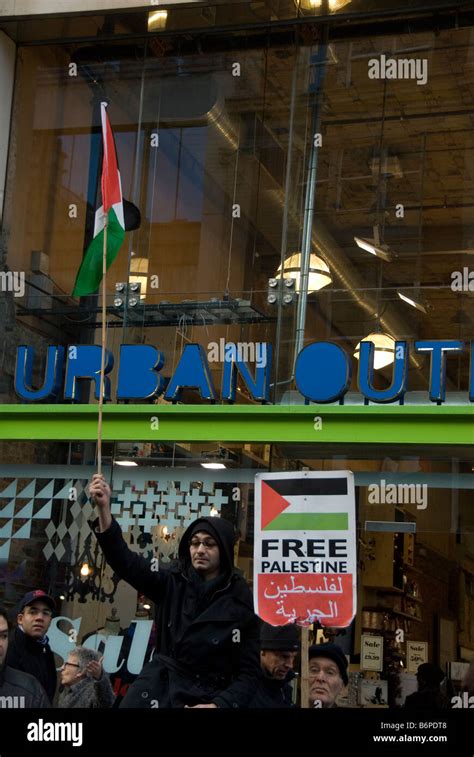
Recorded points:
128,565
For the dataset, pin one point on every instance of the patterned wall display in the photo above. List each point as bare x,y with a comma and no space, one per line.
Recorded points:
57,497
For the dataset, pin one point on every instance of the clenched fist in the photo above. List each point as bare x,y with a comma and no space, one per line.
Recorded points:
100,493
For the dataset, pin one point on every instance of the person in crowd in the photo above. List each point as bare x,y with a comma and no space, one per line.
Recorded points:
29,649
17,689
429,696
83,681
279,646
207,631
327,674
468,680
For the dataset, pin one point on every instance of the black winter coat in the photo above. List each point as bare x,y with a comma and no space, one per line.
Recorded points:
28,655
272,693
15,683
207,640
427,700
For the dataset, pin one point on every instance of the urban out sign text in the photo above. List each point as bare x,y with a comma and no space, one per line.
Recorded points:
322,372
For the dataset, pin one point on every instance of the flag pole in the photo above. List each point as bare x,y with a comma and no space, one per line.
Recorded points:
304,667
103,348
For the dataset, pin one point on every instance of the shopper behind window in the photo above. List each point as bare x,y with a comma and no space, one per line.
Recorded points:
207,632
468,680
429,696
83,681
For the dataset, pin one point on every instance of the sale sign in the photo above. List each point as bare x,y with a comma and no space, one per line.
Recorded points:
305,567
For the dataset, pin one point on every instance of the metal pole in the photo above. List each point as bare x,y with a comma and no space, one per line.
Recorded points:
309,201
284,232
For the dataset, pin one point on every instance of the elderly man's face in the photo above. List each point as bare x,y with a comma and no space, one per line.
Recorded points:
277,664
325,682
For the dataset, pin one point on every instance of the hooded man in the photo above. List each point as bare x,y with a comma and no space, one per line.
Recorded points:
207,632
29,649
279,646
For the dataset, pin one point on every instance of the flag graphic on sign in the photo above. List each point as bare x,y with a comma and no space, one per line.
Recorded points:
121,216
305,548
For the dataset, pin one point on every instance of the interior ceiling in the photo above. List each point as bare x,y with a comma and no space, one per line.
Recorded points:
426,139
421,136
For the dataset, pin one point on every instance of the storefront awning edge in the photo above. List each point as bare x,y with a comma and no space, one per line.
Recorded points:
375,424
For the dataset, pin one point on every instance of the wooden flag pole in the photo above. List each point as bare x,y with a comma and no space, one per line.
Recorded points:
103,346
304,667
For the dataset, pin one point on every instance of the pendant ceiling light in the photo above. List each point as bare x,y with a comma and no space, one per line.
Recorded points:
384,353
157,20
319,274
413,299
379,250
334,5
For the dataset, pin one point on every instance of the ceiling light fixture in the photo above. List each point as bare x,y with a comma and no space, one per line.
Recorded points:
157,20
334,5
127,463
379,250
213,466
85,570
411,299
139,274
384,353
319,275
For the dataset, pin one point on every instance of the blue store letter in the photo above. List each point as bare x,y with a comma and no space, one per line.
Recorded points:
192,372
398,386
322,372
24,373
138,378
438,351
83,362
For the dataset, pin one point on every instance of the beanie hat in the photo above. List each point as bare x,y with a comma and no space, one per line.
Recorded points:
334,653
282,638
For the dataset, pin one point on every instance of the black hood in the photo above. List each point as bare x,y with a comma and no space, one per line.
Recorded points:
221,530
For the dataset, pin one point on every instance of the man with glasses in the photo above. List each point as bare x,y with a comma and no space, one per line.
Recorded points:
207,632
29,649
83,681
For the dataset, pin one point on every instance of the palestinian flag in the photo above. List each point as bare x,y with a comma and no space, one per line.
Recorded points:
110,206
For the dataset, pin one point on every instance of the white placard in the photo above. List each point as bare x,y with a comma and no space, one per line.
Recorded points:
305,557
371,652
417,654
